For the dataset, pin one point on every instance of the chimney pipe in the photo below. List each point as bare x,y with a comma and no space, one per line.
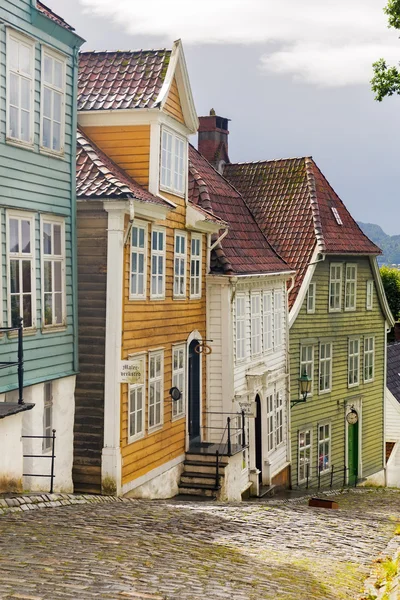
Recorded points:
213,139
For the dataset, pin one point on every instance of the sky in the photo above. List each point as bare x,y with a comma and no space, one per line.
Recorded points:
292,76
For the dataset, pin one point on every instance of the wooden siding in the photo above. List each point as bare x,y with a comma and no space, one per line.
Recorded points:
89,394
173,103
330,407
128,147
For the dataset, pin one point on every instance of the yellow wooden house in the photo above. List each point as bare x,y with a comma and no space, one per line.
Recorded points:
143,257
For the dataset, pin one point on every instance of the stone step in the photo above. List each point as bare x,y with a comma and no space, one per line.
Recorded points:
204,458
198,490
197,478
200,467
266,491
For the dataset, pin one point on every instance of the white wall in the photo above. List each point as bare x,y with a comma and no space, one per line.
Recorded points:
11,462
392,417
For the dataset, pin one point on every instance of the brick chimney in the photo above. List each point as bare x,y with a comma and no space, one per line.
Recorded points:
213,139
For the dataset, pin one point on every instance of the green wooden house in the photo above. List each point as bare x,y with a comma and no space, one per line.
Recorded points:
338,321
38,74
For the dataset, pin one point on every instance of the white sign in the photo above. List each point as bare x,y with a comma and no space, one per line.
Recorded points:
250,409
131,371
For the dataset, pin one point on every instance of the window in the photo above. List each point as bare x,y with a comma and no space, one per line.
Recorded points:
271,422
180,265
307,362
278,320
279,417
324,447
21,269
370,294
195,267
268,321
157,263
311,299
20,87
156,377
173,162
369,352
240,327
354,363
178,379
52,101
304,449
335,288
136,412
325,367
255,324
53,271
350,287
138,261
48,416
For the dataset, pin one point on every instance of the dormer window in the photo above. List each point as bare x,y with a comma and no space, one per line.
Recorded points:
173,163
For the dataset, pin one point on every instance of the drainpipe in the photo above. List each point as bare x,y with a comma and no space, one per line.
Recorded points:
75,60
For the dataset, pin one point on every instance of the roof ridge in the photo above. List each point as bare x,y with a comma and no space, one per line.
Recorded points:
309,163
270,160
126,51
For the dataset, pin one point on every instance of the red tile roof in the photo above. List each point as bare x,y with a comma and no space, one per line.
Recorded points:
97,176
53,16
292,202
245,249
112,80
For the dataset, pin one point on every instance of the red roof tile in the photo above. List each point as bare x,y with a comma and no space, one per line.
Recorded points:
53,16
292,202
97,176
245,249
113,80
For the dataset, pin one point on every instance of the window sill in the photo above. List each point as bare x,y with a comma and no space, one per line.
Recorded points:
53,154
20,144
178,418
369,381
135,438
334,310
155,428
157,298
179,298
26,332
347,310
322,392
353,385
137,298
54,329
195,297
172,191
311,312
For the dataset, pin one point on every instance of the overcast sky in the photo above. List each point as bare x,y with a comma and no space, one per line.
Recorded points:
293,77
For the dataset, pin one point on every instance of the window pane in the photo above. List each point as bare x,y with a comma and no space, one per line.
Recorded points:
57,240
13,53
25,94
14,89
15,308
48,277
56,137
14,243
47,102
58,74
48,309
46,238
25,59
14,276
58,308
27,304
46,133
57,277
14,132
25,126
26,276
48,69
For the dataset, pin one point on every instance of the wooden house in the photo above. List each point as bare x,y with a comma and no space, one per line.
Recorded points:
38,75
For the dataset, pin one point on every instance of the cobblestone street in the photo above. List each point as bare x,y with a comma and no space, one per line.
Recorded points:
194,551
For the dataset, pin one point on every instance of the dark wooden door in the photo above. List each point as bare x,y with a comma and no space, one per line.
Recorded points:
352,452
194,394
258,426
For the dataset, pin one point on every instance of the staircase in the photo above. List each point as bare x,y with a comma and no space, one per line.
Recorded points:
199,474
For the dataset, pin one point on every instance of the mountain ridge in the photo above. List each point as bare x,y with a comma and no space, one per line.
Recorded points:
389,244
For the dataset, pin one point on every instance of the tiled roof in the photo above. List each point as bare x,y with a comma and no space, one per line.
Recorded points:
292,202
245,249
393,369
97,176
52,15
113,80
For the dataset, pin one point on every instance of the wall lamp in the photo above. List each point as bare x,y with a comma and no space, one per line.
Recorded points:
305,389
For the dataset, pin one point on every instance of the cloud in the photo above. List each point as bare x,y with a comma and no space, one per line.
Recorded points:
322,42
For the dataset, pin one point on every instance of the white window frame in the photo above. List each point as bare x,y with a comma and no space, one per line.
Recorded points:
181,257
240,328
255,324
336,281
133,388
279,417
324,361
20,39
369,356
268,321
322,442
370,294
159,254
50,219
154,380
196,259
62,59
307,365
47,410
138,251
353,366
27,216
168,172
303,449
179,375
311,298
270,415
279,311
349,283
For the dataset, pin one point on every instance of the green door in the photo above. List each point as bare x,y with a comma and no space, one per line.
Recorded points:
352,452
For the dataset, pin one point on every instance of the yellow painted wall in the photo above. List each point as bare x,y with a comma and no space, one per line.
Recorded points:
173,103
128,146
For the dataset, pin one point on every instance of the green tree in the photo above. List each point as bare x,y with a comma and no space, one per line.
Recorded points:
386,79
391,283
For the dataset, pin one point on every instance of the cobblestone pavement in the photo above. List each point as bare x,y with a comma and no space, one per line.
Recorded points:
173,550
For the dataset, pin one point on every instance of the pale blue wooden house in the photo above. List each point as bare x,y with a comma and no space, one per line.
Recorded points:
38,80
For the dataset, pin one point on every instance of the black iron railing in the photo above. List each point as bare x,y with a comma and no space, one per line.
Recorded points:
20,359
328,478
52,456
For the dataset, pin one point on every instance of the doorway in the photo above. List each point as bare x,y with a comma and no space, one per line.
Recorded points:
194,386
352,452
258,431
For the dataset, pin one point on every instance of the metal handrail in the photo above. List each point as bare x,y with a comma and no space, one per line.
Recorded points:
20,362
52,456
343,477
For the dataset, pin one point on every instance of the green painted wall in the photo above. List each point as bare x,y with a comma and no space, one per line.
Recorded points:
331,407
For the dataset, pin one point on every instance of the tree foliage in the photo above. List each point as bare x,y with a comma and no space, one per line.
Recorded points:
386,79
391,283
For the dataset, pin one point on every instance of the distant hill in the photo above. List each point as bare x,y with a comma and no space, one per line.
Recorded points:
390,244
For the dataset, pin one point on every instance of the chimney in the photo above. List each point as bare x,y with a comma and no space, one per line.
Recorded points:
213,139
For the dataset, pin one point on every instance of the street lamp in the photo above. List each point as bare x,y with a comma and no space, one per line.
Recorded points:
305,388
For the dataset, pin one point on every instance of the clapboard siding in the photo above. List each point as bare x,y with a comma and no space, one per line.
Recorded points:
173,103
330,407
